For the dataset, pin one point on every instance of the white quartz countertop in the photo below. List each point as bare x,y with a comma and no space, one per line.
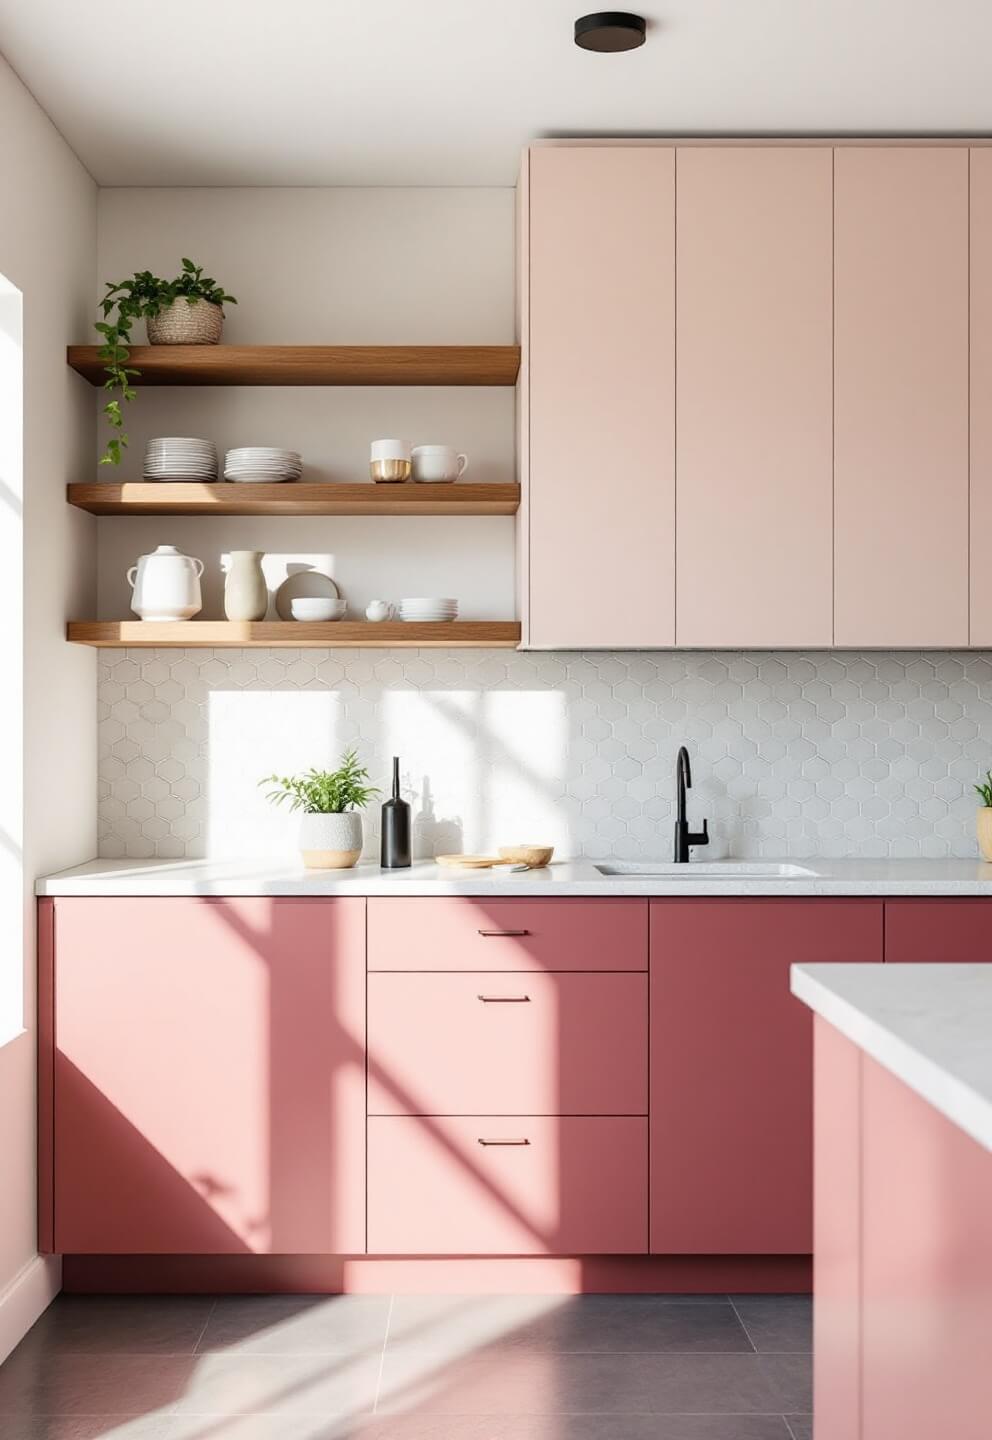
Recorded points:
930,1025
567,877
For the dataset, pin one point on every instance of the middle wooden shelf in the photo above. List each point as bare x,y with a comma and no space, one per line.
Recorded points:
296,498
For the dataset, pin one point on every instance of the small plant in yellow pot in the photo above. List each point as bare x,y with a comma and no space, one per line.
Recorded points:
984,817
330,825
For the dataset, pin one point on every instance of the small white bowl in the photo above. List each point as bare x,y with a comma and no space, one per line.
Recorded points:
310,608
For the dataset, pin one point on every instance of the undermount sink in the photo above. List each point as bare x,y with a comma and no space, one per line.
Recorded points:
705,870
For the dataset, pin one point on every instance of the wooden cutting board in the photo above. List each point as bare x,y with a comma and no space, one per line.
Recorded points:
471,862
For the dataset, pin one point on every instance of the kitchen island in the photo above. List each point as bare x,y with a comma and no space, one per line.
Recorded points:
903,1199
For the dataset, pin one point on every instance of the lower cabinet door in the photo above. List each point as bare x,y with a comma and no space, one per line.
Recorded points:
507,1185
732,1068
931,930
209,1076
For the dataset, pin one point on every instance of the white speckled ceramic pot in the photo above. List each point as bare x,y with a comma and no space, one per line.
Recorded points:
331,842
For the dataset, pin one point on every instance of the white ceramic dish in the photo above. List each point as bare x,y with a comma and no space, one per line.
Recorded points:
262,465
304,585
305,607
180,458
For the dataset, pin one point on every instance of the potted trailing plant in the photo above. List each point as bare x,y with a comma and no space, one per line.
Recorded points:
984,817
330,826
188,310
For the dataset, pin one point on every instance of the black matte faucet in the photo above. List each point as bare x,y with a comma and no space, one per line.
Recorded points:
684,837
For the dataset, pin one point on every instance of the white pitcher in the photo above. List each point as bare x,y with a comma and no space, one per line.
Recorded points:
166,585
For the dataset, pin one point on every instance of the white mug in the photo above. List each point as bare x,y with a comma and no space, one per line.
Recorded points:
437,464
390,461
378,610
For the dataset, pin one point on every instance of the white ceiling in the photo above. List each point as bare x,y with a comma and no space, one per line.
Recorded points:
445,92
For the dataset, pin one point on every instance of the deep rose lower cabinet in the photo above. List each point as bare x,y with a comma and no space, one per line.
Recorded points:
732,1068
508,1089
209,1075
955,932
574,1076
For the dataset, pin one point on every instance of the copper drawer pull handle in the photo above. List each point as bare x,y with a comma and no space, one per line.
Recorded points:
511,933
503,1142
505,999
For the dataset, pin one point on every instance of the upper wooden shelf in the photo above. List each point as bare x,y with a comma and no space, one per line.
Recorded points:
292,498
310,364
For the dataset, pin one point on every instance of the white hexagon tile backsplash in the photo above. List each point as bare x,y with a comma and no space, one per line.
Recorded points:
826,754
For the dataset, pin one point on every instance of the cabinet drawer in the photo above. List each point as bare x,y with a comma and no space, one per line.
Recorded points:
578,1186
473,934
495,1043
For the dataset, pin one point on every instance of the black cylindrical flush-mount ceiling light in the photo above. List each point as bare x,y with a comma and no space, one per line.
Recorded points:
610,30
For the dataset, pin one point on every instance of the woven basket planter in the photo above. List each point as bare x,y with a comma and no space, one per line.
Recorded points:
184,324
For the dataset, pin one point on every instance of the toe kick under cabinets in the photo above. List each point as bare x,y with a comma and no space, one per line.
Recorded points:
441,1076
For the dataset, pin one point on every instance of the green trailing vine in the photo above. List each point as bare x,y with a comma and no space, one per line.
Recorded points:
135,299
324,792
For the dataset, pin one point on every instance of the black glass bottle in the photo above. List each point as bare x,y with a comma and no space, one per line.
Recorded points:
395,853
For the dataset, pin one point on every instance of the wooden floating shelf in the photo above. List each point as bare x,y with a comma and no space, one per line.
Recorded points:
309,364
294,634
293,498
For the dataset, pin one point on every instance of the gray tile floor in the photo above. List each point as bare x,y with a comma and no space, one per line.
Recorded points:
278,1367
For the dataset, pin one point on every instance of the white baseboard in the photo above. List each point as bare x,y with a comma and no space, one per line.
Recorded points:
27,1296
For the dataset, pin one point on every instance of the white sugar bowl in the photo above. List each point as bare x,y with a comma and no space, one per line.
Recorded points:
166,585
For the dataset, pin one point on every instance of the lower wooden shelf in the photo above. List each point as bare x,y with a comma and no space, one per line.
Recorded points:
294,634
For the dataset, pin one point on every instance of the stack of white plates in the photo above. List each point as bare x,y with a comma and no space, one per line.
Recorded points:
262,463
179,457
428,609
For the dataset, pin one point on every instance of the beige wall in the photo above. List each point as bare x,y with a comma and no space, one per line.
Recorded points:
344,266
47,250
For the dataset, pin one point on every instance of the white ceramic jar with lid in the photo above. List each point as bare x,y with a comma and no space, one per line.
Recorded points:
166,585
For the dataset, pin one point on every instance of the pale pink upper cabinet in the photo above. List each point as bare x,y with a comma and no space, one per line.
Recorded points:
754,352
981,395
901,396
601,353
209,1076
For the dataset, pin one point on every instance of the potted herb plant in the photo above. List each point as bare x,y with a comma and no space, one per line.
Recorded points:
984,817
330,826
188,310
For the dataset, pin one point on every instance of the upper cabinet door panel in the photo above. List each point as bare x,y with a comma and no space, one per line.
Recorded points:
754,448
901,396
602,384
981,390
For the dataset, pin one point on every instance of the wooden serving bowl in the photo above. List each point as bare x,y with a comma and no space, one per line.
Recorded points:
535,856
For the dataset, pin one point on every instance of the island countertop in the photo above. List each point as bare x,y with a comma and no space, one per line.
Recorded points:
929,1025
